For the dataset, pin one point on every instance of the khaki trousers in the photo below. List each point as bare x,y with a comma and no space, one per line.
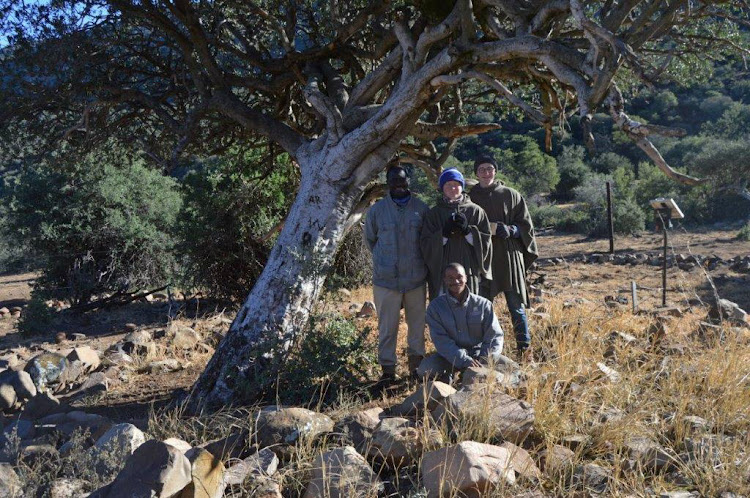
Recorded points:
388,304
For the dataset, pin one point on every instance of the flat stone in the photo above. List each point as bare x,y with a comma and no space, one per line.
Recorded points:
263,463
206,474
342,473
154,470
399,441
469,468
522,462
503,415
282,428
429,395
163,366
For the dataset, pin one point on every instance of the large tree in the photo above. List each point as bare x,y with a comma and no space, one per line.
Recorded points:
343,87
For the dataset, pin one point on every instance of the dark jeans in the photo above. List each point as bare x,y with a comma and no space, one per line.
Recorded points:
517,315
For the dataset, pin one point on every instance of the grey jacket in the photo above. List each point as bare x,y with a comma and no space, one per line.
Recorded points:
464,331
393,234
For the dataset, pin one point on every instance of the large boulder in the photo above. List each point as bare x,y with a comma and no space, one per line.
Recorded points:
342,473
154,470
400,441
468,468
488,406
47,369
207,475
428,395
281,428
116,445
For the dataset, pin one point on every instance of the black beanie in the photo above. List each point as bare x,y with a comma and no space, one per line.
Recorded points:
484,160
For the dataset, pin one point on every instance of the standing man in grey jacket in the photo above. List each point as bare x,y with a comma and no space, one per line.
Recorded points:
463,327
393,228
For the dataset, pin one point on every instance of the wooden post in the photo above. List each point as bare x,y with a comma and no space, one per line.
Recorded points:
610,223
664,265
634,296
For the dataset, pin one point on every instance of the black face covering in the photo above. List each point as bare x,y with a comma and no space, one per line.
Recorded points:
398,183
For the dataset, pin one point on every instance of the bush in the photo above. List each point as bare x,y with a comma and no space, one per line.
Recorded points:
744,233
225,216
570,219
36,318
627,216
573,172
353,264
99,227
333,355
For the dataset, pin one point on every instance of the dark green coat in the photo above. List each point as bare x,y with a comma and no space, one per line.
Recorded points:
510,257
474,258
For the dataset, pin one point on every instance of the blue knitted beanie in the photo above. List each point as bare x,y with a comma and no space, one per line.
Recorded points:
451,174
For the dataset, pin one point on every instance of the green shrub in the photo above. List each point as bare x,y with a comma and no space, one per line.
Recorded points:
332,356
99,227
570,219
36,318
229,209
627,216
744,233
573,172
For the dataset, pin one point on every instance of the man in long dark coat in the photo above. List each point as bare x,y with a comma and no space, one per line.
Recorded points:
513,246
455,231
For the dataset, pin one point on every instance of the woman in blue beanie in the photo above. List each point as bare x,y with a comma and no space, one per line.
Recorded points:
456,231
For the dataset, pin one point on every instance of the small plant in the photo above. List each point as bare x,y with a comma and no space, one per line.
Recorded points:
744,233
37,318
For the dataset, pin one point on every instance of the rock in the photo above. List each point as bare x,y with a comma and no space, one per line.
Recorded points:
576,441
505,375
41,405
556,460
10,484
4,311
97,382
32,454
87,356
182,337
678,494
96,424
399,441
280,428
612,374
77,336
21,429
138,342
235,445
163,366
484,404
118,358
730,311
22,384
46,369
358,427
206,474
522,462
430,394
154,470
367,310
7,397
66,488
657,460
694,424
114,446
469,468
591,477
60,337
181,445
342,473
259,465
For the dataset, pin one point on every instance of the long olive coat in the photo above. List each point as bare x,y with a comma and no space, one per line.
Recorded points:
475,257
510,257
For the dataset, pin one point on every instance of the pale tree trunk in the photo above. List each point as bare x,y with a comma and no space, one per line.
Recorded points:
279,305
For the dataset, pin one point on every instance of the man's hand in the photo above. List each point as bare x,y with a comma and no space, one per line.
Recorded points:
476,363
449,228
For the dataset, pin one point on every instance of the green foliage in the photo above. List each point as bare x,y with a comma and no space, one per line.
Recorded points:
573,171
744,233
569,219
608,162
36,318
734,123
627,216
99,227
525,166
230,205
333,355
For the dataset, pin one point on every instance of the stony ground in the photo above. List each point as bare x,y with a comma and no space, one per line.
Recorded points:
634,404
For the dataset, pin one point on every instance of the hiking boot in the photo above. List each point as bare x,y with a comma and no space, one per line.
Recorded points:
414,362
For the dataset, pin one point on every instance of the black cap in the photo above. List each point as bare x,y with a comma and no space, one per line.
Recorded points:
396,173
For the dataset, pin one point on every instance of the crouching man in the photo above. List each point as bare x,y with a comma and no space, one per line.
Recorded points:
463,328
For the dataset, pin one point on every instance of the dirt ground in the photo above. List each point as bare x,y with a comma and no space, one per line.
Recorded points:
132,400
